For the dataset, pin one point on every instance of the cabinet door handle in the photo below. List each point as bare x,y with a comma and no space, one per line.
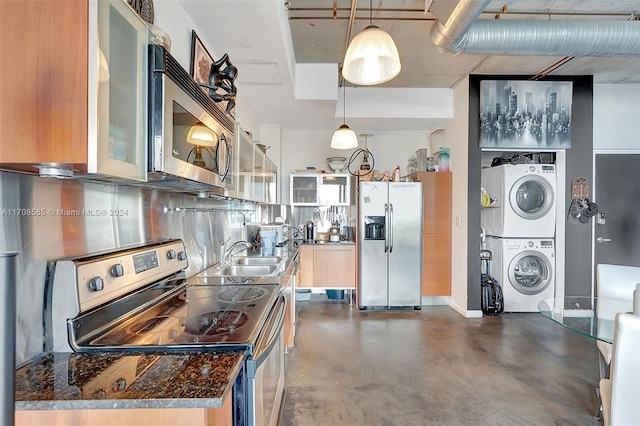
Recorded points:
603,240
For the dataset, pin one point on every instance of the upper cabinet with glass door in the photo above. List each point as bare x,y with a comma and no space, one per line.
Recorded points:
320,189
77,104
255,176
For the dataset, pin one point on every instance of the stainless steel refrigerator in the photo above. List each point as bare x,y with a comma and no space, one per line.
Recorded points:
390,244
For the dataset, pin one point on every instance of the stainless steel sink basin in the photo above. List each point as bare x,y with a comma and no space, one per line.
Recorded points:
246,271
257,260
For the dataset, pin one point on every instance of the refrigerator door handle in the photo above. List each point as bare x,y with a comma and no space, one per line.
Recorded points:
390,228
386,227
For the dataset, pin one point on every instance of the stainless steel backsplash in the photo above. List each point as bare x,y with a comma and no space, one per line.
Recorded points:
47,219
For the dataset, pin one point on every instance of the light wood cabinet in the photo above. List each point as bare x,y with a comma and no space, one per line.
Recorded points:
328,266
67,102
222,416
334,266
306,266
436,232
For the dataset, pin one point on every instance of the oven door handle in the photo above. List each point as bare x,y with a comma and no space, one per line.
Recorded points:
271,332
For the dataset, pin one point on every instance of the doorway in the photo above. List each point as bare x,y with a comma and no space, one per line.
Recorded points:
617,194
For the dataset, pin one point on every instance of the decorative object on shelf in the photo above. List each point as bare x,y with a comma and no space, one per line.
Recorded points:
337,164
201,60
214,75
372,56
159,36
344,137
144,9
203,138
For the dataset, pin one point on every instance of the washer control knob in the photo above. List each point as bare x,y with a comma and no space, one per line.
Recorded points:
182,255
117,270
171,254
96,284
530,244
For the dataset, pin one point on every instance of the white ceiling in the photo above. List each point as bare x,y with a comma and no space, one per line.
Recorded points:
266,38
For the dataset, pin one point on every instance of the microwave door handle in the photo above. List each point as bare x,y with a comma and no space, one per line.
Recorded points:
227,168
390,228
386,227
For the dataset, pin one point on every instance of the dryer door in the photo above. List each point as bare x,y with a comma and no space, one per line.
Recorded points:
531,197
530,272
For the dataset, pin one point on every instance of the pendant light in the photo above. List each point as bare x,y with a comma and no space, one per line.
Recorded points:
344,137
372,56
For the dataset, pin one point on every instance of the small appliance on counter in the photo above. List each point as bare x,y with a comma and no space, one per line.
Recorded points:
309,232
279,229
334,233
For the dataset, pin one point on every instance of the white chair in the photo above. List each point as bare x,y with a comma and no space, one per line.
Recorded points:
621,392
613,282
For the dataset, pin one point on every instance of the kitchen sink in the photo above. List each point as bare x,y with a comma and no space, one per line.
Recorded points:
246,271
257,260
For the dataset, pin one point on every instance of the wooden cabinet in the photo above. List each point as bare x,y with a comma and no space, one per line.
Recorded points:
436,232
334,266
328,266
222,416
74,86
306,266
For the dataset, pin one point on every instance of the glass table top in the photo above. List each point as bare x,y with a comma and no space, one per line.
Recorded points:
591,316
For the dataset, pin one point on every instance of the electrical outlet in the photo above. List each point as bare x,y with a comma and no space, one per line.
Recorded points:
458,220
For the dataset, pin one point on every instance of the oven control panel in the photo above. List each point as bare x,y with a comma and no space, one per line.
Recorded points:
100,279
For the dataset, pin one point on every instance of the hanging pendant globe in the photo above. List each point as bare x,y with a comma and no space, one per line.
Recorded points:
344,138
372,58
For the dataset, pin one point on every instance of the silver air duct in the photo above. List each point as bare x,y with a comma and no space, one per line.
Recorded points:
463,34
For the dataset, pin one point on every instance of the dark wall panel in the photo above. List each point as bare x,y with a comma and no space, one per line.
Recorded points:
577,268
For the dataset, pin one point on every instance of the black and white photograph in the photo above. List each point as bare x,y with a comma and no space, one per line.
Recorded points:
524,114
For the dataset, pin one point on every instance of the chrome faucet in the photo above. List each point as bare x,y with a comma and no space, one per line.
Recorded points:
226,252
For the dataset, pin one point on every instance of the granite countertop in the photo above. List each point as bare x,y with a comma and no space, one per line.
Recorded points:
127,380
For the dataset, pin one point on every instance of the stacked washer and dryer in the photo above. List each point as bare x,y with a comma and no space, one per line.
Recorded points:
520,230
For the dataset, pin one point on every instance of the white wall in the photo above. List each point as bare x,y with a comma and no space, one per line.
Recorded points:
312,147
616,116
171,17
456,138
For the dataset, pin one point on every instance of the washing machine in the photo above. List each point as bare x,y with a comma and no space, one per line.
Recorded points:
525,201
525,268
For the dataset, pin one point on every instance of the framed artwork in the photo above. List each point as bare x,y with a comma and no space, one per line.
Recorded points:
525,114
201,60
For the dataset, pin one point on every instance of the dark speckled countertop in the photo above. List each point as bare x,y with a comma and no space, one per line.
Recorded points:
127,380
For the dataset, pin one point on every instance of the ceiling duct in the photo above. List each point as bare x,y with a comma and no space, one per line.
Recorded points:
463,33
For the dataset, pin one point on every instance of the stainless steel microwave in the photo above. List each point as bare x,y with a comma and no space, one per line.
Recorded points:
190,137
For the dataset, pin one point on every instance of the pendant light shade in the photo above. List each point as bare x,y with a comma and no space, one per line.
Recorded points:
344,137
371,58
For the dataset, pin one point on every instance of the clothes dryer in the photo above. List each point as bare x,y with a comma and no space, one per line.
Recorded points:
525,268
525,205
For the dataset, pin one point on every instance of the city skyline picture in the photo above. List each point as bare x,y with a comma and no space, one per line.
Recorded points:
525,114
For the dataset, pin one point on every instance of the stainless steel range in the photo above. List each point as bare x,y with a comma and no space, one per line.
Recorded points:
138,299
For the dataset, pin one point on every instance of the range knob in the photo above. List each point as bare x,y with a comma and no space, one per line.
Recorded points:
119,385
171,254
182,255
96,284
117,270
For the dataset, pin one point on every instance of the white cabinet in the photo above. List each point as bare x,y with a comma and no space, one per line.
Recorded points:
320,189
255,175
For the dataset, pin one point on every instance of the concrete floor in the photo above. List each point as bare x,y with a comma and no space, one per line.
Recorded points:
434,367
